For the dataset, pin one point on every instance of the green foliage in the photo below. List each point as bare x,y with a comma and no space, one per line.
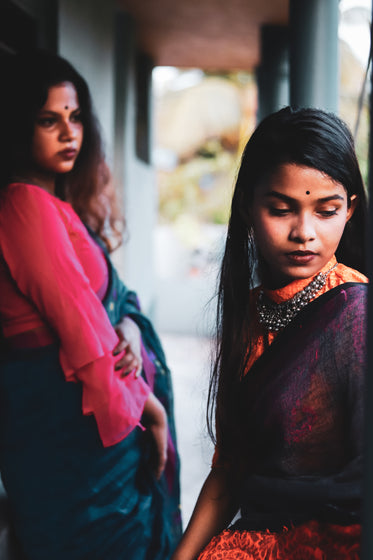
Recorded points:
201,185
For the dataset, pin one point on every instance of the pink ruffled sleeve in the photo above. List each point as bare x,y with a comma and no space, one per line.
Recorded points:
37,248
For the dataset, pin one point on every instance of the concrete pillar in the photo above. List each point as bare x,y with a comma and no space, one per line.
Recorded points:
134,174
144,69
124,40
273,72
314,53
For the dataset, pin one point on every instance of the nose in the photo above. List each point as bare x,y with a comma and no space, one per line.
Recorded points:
302,229
67,131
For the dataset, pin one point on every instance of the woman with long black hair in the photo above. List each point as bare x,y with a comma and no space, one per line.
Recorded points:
287,387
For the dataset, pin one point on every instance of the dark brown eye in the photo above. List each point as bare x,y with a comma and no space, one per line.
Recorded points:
279,211
46,121
328,213
76,117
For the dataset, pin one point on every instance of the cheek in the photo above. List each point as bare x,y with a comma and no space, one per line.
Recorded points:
37,150
337,236
79,138
333,232
40,145
79,130
269,232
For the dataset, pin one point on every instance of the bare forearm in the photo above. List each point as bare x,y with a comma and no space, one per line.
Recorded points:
155,419
215,508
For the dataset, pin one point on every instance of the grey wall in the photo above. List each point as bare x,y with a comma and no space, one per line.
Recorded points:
140,203
87,37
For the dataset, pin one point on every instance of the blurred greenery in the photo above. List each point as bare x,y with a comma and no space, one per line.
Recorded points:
199,186
201,183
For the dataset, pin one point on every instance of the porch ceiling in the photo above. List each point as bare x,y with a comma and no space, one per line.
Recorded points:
208,34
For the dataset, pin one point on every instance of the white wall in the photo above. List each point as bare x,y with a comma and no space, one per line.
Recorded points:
140,203
87,39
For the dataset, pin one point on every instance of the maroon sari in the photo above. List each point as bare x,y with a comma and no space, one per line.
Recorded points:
303,403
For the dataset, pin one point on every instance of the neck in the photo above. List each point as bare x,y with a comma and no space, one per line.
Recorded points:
44,180
270,280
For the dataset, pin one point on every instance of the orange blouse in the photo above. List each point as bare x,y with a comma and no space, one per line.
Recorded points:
339,275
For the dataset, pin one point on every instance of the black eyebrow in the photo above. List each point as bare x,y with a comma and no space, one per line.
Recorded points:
289,200
55,113
46,111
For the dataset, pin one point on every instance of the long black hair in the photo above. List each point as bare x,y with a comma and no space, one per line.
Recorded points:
307,137
26,79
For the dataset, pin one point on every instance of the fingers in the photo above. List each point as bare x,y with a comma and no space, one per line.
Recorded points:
122,345
131,360
127,364
133,366
128,361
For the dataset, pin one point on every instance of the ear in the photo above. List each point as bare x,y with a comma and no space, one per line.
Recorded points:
351,209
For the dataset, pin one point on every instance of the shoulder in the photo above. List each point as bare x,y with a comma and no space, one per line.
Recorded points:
352,294
29,214
345,284
14,190
357,294
25,196
346,307
23,202
341,310
348,321
353,288
344,274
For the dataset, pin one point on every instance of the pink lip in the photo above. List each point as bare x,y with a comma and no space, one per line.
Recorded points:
69,153
301,257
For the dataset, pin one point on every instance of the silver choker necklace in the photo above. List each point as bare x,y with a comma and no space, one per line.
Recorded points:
275,316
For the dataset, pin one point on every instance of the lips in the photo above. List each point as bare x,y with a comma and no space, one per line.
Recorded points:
69,153
301,253
301,257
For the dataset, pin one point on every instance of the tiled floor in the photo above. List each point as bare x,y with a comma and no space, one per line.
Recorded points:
188,358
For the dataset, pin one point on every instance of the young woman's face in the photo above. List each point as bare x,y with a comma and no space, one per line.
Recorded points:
298,216
58,132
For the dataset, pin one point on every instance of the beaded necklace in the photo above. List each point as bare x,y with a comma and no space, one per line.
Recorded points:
275,316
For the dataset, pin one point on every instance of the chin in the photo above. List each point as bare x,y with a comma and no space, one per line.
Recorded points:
300,273
307,274
65,168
